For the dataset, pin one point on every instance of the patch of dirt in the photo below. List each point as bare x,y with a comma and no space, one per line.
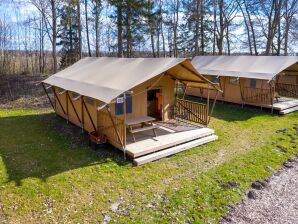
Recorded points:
22,91
277,202
76,136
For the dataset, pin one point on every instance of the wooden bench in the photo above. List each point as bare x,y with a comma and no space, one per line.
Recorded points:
146,123
146,128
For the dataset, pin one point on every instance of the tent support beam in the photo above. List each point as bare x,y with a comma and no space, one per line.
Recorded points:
184,92
124,140
89,115
45,89
208,99
73,107
222,79
67,109
114,125
59,102
272,92
201,77
241,93
82,109
213,105
182,80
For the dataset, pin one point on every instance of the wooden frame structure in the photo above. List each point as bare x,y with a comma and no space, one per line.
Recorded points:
100,116
263,84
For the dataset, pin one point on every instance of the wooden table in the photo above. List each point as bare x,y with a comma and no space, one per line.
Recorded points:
146,123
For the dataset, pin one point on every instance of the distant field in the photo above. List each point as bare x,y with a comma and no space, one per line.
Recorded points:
48,174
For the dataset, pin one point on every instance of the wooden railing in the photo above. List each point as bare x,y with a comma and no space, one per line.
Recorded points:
115,134
289,90
257,95
191,111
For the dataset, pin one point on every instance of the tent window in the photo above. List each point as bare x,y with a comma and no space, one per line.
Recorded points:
253,83
234,81
214,79
120,104
89,101
74,95
59,90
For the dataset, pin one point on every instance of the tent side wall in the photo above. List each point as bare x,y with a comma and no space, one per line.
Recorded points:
288,79
91,105
231,89
102,120
139,99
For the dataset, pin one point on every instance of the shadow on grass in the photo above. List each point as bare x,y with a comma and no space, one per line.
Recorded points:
44,145
232,112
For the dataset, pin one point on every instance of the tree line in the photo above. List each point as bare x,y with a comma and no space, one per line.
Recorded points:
59,32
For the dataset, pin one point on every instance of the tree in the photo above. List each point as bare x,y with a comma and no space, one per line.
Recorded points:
70,34
49,11
97,7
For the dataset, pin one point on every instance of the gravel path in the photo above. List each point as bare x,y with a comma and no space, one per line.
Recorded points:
276,203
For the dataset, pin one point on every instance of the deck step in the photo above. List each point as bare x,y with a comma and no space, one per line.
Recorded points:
151,145
289,110
173,150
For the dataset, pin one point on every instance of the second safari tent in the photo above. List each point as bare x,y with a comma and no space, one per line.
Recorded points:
265,81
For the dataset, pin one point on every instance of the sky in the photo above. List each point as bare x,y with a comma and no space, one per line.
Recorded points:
19,11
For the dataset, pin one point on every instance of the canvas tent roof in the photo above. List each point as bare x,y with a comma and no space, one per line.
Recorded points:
256,67
106,78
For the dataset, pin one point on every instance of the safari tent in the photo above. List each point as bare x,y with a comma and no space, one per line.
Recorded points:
265,81
133,103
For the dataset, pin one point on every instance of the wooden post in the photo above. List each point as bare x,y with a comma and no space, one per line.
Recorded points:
213,105
222,79
175,100
241,93
82,109
185,87
272,92
67,111
208,98
124,112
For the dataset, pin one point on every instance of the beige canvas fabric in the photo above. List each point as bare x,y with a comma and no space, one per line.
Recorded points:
256,67
106,78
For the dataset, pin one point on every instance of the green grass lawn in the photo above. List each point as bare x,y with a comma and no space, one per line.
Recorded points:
47,175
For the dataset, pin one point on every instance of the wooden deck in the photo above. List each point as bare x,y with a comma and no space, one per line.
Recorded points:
283,106
169,134
286,105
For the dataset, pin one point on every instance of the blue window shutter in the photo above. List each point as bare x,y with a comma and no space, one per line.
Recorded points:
128,103
253,83
119,107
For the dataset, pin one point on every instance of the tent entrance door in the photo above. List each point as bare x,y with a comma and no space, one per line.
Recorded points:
154,103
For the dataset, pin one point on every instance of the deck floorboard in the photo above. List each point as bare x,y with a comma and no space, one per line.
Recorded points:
147,143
